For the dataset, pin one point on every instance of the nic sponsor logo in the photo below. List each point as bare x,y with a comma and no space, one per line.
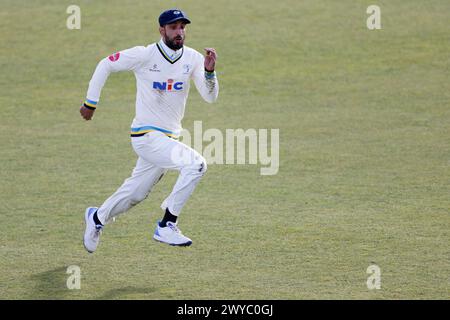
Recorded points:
168,85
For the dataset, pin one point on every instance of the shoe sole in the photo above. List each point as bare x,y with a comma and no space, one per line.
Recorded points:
86,217
186,244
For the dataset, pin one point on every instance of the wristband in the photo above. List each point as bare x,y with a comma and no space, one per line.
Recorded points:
89,104
210,74
87,107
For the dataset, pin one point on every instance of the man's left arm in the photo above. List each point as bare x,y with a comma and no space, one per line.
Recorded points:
205,78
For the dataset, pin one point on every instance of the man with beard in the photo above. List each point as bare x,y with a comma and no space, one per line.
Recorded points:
163,71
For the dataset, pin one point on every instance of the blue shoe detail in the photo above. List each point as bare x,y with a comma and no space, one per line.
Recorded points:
157,234
156,231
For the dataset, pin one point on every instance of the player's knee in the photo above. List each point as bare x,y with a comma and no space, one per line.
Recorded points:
203,167
197,167
142,191
138,197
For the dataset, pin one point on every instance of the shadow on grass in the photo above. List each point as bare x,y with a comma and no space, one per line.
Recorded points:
50,284
120,293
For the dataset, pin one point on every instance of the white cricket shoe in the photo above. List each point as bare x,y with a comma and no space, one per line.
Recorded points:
92,232
170,234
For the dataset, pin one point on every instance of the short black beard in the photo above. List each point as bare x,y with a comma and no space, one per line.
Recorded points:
172,44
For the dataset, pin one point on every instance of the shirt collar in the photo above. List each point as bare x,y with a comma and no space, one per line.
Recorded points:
172,54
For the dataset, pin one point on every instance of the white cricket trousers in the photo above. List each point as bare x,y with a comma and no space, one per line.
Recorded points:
157,154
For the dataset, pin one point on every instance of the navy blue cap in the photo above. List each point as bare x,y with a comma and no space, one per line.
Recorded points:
172,15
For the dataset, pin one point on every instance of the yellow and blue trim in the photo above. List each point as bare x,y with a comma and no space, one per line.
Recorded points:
138,132
90,104
210,74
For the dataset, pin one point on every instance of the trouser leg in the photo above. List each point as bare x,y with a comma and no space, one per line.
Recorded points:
134,189
160,150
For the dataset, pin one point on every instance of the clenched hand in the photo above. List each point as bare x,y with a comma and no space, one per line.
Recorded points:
210,59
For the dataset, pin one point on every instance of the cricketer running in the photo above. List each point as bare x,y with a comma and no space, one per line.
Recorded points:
163,71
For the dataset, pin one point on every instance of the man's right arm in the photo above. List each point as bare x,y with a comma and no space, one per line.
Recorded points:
120,61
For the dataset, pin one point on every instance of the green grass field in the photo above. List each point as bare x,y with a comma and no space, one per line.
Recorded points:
364,177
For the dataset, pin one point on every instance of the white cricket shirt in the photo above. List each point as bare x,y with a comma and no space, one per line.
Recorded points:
162,81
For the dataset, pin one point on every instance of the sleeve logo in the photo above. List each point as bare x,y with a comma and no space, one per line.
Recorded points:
114,57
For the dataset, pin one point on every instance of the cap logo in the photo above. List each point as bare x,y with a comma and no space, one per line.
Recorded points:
176,12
